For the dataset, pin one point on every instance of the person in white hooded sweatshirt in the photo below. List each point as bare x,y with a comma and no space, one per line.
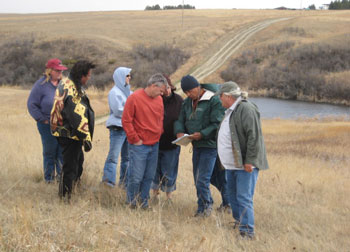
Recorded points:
118,142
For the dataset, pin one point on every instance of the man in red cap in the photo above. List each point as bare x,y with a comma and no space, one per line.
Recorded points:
39,104
55,64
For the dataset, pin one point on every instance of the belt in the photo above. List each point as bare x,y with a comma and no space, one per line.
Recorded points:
113,127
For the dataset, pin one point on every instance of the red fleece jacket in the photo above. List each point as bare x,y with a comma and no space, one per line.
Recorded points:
143,118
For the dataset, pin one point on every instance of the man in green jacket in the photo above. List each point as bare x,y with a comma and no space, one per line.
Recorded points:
200,116
242,153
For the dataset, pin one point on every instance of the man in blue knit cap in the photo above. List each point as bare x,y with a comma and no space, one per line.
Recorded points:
200,116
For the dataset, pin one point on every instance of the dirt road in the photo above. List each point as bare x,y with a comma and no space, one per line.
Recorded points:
220,57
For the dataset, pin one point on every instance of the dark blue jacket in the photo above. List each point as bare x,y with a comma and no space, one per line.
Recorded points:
40,100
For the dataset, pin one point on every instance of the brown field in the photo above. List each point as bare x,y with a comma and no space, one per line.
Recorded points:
301,202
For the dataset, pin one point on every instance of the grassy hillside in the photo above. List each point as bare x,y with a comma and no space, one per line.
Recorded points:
306,58
111,38
301,202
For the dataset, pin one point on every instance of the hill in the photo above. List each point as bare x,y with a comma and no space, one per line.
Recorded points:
143,40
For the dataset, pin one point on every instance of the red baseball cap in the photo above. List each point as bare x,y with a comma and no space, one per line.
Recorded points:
55,64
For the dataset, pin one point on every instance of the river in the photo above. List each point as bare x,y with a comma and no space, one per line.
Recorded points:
286,109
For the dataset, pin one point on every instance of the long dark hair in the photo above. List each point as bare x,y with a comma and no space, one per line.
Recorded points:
80,69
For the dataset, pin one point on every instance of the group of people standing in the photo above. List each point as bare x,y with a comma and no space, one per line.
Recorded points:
223,126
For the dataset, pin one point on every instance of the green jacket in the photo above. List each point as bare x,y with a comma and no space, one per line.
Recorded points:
205,119
247,140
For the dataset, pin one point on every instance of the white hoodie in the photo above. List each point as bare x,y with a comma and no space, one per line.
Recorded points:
117,96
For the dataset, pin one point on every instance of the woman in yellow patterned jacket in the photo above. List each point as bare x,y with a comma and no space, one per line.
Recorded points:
72,122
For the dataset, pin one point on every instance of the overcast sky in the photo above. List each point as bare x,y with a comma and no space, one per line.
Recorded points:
43,6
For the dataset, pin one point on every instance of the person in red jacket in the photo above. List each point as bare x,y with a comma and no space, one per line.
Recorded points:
142,121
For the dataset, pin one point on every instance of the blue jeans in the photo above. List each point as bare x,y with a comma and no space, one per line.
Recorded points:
241,186
143,165
117,144
218,179
52,152
166,174
203,160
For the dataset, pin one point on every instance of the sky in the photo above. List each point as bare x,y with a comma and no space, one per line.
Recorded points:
44,6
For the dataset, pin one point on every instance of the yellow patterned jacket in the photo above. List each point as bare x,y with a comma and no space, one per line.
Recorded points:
71,114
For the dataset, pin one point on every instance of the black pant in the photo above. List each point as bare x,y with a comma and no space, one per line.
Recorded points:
73,159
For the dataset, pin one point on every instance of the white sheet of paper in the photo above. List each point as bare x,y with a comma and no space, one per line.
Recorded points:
184,140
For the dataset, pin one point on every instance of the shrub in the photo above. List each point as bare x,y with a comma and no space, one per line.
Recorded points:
112,61
289,72
295,31
149,60
23,60
326,58
337,88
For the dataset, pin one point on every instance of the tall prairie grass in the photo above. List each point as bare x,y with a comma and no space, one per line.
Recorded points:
301,202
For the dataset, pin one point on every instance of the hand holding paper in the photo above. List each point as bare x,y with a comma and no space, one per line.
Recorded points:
184,140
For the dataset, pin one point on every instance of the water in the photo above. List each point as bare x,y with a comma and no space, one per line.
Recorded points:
285,109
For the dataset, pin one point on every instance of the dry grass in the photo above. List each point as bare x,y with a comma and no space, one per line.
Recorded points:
127,28
301,203
202,34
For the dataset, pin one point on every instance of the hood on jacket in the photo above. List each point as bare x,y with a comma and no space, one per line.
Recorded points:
119,77
210,86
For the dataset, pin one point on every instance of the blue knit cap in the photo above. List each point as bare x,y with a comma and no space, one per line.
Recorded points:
188,82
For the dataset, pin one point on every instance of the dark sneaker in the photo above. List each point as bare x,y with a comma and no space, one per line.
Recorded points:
207,212
199,214
203,214
154,200
224,209
146,208
235,224
67,198
246,235
132,206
